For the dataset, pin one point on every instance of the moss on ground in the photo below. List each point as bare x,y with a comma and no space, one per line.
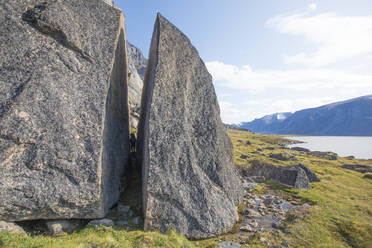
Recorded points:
340,215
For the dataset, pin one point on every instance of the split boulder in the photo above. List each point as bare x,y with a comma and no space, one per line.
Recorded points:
63,109
189,180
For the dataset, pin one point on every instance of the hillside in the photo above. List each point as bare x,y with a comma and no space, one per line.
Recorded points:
347,118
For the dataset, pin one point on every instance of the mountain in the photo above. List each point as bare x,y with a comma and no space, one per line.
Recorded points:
347,118
268,122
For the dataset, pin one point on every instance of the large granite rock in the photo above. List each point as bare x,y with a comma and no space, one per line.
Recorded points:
63,108
189,179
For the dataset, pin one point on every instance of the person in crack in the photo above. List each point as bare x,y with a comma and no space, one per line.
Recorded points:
132,141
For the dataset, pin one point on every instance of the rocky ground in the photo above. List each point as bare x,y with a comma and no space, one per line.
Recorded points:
267,213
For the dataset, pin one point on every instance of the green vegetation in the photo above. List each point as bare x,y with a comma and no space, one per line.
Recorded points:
97,237
340,214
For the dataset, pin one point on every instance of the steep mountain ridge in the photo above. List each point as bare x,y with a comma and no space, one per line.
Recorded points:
268,122
352,117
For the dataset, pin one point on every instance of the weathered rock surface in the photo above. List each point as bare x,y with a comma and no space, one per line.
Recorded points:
189,180
63,108
10,227
136,68
293,176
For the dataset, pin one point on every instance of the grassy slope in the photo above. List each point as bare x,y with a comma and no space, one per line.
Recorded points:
341,216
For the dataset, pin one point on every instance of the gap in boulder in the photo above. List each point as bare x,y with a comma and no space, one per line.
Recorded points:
127,213
132,195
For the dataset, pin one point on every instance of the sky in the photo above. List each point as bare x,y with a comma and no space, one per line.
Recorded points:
269,56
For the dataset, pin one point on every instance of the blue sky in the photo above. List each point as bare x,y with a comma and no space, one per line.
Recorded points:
270,56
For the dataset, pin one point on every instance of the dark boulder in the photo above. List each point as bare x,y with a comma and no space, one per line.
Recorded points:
246,174
190,183
368,176
311,175
358,167
324,155
350,157
291,176
300,149
244,156
283,156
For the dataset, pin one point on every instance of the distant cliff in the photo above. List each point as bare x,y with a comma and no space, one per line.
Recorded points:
136,70
266,123
347,118
135,55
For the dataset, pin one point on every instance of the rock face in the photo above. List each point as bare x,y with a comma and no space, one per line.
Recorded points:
136,67
189,180
63,109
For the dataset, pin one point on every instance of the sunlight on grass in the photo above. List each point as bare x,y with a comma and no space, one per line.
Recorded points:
340,214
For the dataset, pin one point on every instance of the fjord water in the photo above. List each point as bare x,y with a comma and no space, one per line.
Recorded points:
359,147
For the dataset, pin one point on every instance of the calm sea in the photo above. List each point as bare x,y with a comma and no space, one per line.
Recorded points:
359,147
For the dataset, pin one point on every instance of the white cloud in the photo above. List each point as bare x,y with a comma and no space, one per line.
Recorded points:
255,93
246,93
247,111
336,38
313,6
232,114
246,78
